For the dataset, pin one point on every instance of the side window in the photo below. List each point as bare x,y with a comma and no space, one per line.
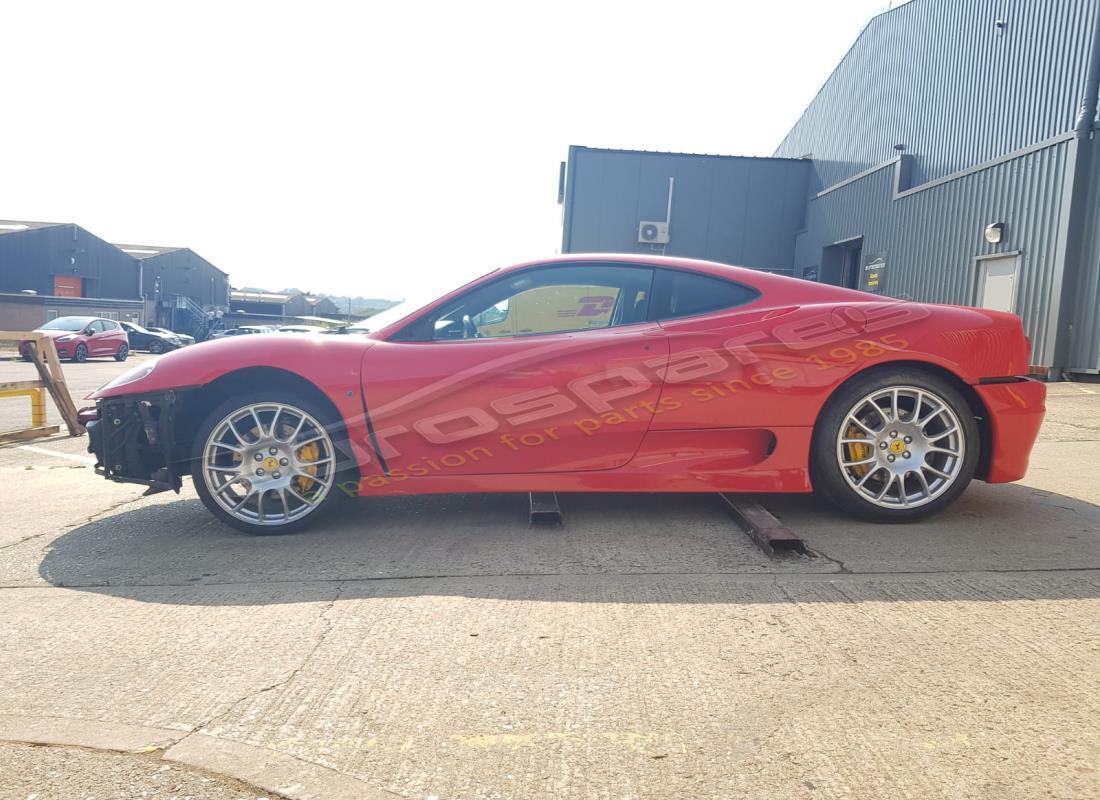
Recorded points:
98,326
542,300
549,309
685,294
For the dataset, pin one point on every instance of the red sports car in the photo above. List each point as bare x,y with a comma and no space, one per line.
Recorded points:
590,374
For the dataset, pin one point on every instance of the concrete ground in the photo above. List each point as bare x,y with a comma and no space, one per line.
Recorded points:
78,774
438,647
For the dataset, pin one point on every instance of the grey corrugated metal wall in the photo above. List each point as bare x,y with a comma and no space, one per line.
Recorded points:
31,259
1085,340
929,238
940,77
742,211
185,272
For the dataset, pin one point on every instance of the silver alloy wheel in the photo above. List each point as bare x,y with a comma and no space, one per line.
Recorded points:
268,463
901,447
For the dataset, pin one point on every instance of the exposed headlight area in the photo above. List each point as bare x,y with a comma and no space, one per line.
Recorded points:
130,376
62,339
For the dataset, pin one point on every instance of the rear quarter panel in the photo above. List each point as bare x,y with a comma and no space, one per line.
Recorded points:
767,365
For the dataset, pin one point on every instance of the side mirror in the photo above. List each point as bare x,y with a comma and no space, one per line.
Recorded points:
89,331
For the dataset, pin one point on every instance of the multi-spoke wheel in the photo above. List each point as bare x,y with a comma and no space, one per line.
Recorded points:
895,446
266,463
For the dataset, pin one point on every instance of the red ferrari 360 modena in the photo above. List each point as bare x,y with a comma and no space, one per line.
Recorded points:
589,374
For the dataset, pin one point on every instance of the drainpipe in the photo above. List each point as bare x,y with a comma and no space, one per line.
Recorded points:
1077,225
1086,112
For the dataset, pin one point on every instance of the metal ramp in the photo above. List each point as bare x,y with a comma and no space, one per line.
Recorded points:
772,536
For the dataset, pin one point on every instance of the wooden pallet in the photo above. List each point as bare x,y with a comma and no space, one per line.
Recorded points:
50,378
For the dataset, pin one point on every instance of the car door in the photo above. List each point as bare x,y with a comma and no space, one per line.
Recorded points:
548,369
133,336
117,336
100,341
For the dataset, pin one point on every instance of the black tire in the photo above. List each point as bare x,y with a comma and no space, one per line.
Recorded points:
310,406
829,477
123,353
80,353
156,348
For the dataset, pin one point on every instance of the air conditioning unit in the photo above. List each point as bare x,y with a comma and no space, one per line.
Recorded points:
653,232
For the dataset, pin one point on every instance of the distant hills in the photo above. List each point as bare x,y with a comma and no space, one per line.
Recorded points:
361,306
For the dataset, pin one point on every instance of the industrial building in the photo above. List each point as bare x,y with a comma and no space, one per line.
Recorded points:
949,158
50,270
180,287
288,305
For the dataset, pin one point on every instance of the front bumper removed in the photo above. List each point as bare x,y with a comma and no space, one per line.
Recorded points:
132,440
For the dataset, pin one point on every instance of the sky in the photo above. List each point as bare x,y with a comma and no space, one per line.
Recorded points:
378,149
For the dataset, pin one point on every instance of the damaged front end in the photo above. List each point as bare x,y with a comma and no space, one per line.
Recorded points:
133,440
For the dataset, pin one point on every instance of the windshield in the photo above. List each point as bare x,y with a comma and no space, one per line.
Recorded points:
67,324
403,309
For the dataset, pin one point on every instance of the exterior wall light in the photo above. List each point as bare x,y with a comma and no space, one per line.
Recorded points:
995,233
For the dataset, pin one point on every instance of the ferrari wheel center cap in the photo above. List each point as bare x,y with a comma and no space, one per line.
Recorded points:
271,463
897,447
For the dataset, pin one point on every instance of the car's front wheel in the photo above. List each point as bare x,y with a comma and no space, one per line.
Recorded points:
156,348
895,446
80,353
266,462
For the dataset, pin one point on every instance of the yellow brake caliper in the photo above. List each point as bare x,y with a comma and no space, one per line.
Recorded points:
311,452
857,452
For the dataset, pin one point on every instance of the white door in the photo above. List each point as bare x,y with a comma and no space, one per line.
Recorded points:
997,283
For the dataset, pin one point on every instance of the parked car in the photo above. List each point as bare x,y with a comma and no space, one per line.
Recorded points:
302,329
696,377
81,338
243,330
151,341
184,338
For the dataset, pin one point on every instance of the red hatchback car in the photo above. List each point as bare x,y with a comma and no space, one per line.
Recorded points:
81,338
590,374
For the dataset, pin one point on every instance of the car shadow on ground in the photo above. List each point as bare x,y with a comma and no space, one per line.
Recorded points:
1025,542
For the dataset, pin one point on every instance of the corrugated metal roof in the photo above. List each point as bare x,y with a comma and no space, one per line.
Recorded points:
678,153
258,297
143,251
18,225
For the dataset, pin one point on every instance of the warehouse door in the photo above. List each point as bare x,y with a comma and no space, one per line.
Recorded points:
840,263
68,286
997,283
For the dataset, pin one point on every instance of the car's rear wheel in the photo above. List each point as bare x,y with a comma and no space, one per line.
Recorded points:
123,352
895,446
80,353
156,348
266,462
